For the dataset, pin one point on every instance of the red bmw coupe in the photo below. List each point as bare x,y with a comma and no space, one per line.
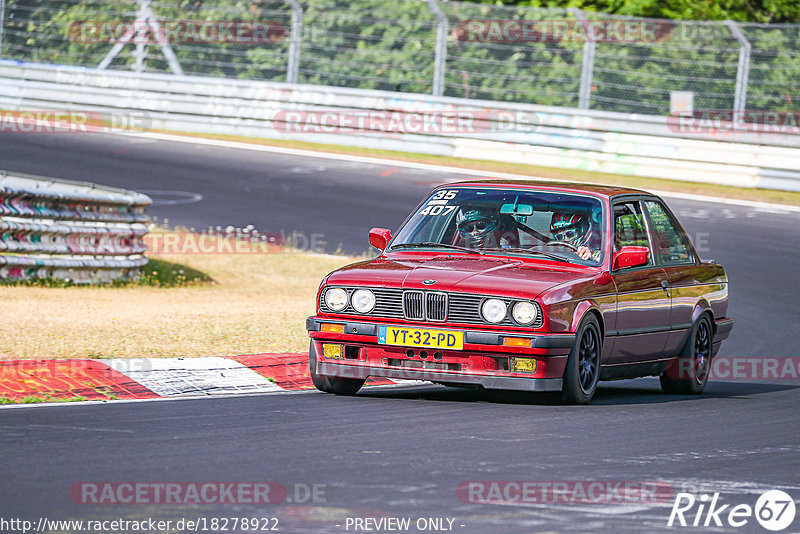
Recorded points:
528,286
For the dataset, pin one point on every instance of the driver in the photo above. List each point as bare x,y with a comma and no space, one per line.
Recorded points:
482,228
575,229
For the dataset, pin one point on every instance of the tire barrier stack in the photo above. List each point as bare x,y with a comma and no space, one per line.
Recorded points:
73,231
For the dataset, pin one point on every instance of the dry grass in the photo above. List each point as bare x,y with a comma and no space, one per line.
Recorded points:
258,304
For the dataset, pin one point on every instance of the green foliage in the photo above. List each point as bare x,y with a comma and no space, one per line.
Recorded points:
739,10
368,44
159,273
541,72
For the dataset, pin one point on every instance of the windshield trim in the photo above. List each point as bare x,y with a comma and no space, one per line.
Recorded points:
429,244
600,198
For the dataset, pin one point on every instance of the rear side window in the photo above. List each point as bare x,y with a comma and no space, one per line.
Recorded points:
671,244
630,228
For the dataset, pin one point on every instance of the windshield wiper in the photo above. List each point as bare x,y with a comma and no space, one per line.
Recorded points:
529,251
431,244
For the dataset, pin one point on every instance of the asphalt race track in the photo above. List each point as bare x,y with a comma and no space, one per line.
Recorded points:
402,452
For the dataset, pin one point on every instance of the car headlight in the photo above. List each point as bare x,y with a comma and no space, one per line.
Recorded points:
494,310
524,312
363,300
336,298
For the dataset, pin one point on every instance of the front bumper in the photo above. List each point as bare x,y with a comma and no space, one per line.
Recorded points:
484,361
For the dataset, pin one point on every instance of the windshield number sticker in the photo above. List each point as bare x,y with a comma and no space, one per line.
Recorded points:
437,205
437,210
443,196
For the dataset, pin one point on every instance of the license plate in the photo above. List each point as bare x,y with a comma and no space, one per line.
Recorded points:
421,337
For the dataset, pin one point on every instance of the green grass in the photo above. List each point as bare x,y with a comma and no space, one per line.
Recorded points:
156,273
34,399
160,273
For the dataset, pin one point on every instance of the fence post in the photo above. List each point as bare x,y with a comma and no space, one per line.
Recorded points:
587,65
166,49
138,34
295,38
440,59
742,71
2,21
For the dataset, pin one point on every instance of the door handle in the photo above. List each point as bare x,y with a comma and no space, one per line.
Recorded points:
665,285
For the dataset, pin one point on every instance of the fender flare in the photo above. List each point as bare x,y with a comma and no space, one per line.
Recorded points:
584,307
700,308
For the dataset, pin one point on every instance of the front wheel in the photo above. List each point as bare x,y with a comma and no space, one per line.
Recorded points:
331,384
689,374
583,366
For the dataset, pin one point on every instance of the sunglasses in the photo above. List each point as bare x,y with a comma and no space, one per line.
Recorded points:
471,227
568,234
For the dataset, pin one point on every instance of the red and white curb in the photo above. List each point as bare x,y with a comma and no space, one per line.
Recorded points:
147,378
177,377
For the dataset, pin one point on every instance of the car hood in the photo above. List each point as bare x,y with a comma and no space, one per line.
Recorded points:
487,275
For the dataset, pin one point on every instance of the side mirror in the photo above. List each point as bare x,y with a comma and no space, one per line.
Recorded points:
379,238
630,256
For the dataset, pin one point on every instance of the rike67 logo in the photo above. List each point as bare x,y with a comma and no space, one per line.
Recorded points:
774,510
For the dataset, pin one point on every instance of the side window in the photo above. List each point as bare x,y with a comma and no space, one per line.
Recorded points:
672,245
630,229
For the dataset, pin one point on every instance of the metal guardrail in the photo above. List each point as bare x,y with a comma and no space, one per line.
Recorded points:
641,145
76,231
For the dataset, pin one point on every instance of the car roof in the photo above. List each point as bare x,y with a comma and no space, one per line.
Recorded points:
572,187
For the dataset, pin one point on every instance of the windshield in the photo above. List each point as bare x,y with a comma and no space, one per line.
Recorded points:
561,226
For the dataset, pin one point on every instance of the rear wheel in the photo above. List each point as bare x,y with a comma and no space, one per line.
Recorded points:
689,374
583,366
331,384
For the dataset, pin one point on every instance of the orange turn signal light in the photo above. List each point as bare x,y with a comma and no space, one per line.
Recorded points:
331,327
516,342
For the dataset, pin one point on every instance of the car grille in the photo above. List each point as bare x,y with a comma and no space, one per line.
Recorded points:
425,306
414,305
435,306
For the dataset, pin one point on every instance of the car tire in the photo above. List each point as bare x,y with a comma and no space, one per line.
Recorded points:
688,375
583,366
331,384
